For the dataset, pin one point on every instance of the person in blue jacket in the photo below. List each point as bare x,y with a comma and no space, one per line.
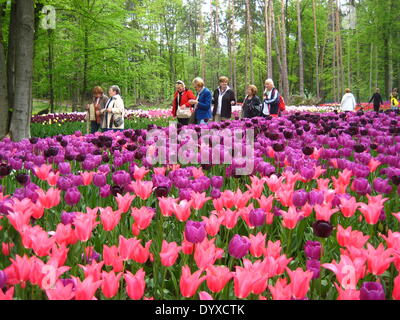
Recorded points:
203,102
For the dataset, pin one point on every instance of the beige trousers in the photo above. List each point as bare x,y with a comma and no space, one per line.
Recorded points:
218,118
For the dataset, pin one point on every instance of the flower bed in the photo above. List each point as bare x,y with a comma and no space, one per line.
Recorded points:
89,217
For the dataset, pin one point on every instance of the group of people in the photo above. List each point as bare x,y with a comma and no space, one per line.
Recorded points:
106,113
205,106
349,102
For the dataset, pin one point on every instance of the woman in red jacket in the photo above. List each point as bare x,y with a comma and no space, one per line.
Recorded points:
181,108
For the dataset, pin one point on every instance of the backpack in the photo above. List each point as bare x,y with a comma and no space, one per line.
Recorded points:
282,105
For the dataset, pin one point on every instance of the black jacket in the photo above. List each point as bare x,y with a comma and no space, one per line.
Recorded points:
273,103
252,107
226,108
377,98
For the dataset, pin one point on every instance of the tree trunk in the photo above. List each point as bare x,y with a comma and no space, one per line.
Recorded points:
202,52
50,34
300,41
268,42
334,54
285,79
277,49
250,44
20,120
316,51
12,39
3,81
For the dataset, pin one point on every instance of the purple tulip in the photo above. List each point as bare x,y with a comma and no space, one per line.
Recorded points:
307,172
68,281
300,198
382,186
217,182
372,291
322,229
239,246
195,232
312,249
64,167
99,180
67,217
361,186
3,279
257,217
215,193
314,266
105,191
121,178
72,196
64,183
185,194
316,197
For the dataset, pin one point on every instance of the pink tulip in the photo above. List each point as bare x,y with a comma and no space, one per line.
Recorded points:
86,289
379,259
110,284
300,282
291,217
169,253
205,296
213,224
43,171
189,283
109,218
50,198
217,277
140,173
143,217
61,292
198,200
135,284
124,202
349,238
167,206
206,253
257,246
142,188
182,210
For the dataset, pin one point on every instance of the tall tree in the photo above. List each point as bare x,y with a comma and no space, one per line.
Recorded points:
268,36
22,102
284,75
300,43
3,78
317,84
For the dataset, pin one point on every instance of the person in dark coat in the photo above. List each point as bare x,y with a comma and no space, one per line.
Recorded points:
271,99
223,100
377,99
252,105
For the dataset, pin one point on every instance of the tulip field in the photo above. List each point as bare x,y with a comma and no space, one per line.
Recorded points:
86,217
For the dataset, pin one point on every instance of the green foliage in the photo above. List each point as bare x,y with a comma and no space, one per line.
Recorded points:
144,46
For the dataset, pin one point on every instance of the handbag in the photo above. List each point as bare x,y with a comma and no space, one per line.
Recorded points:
184,113
118,121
